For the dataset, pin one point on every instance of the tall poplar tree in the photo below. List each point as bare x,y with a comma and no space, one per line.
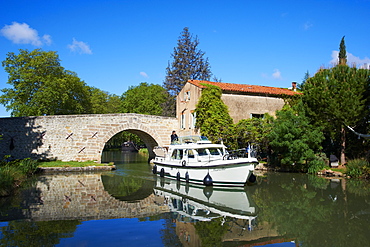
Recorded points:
342,52
189,63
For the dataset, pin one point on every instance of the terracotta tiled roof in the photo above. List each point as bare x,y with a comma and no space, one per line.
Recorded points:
246,88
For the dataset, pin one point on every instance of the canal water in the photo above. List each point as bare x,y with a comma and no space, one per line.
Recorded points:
132,207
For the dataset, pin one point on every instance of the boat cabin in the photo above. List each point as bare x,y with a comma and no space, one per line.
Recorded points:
190,149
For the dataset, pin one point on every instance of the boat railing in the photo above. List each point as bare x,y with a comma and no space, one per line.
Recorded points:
190,139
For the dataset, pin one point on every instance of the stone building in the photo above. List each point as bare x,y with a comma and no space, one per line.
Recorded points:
243,101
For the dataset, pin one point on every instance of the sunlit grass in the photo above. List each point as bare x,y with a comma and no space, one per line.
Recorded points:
58,163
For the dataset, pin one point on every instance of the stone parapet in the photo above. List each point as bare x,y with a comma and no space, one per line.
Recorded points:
78,137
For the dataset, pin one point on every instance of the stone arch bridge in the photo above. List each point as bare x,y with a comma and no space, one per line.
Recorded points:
78,137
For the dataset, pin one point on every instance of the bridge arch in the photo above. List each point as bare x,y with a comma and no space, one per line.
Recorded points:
148,135
78,137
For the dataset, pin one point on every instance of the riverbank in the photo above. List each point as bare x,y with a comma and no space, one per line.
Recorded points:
76,169
73,166
324,173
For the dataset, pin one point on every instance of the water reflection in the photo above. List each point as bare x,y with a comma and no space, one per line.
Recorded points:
203,215
66,209
203,203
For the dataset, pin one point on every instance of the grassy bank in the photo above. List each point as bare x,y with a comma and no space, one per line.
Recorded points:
58,163
14,173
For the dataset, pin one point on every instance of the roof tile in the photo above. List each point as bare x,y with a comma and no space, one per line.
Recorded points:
246,88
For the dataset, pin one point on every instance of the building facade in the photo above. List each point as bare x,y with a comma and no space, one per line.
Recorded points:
243,101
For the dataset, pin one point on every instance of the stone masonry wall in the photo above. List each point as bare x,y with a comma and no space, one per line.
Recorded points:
78,137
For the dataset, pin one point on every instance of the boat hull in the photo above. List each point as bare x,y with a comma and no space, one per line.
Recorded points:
219,173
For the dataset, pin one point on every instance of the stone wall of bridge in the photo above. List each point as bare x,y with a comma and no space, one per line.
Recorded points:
78,137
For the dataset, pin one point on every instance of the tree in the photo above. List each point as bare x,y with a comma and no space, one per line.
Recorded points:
342,56
103,102
144,99
293,138
188,63
335,98
41,86
300,86
251,131
213,117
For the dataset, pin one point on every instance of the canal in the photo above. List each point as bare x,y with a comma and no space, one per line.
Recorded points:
132,207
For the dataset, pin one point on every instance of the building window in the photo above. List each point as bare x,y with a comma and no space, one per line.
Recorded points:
182,122
187,96
193,119
254,115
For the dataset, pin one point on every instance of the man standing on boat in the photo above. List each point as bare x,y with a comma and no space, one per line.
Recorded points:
174,137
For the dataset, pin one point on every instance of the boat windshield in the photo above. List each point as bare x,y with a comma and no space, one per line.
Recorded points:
191,139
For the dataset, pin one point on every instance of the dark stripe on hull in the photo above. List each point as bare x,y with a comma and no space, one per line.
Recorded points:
199,181
205,167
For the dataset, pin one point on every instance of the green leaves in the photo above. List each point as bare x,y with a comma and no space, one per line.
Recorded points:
213,117
144,99
41,86
188,63
294,138
337,97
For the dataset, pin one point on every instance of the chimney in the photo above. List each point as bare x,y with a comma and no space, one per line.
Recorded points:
294,86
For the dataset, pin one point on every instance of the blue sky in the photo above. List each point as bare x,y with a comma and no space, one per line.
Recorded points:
112,45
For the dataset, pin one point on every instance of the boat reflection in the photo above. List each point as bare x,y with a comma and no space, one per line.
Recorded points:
192,203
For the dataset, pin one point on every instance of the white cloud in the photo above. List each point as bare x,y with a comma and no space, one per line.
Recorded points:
351,59
143,74
80,47
23,34
276,75
47,39
307,25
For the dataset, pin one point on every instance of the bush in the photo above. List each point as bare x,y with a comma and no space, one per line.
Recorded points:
358,168
10,178
27,166
6,182
14,172
315,165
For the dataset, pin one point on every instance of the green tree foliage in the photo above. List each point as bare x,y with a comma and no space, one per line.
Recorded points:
144,99
342,56
250,131
188,63
293,139
102,102
117,140
335,98
213,117
300,86
41,86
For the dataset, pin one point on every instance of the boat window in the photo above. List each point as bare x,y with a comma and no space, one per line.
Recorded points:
177,154
190,153
202,151
214,151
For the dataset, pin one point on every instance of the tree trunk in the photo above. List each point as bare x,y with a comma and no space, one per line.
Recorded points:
342,146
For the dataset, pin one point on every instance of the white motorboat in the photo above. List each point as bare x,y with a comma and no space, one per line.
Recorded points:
194,159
